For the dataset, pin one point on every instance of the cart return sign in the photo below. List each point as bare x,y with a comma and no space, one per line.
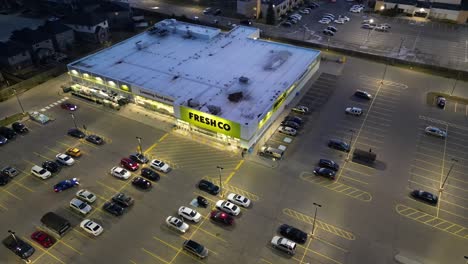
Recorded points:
210,122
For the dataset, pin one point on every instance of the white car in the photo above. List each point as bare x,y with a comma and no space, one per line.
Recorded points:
86,195
177,224
435,131
355,10
239,200
368,21
160,166
324,21
91,227
339,21
65,159
120,173
189,214
228,207
40,172
304,12
344,18
287,130
80,206
301,109
284,245
354,111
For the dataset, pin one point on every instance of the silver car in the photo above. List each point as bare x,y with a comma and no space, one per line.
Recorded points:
435,131
80,206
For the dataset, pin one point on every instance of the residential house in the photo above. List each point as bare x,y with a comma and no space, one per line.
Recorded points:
14,56
62,36
89,27
40,45
281,7
119,15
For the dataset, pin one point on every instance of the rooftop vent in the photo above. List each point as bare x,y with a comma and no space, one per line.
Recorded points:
277,59
235,97
214,110
243,79
193,103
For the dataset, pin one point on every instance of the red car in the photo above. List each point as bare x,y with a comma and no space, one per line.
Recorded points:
221,217
43,238
129,164
69,106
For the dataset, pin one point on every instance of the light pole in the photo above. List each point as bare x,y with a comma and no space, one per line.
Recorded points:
401,45
370,29
455,84
74,122
350,144
448,173
139,145
466,257
220,183
315,217
19,102
13,235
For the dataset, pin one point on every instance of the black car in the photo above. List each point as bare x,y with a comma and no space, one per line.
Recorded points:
139,158
19,128
3,140
325,172
7,132
51,166
217,12
339,145
9,171
74,132
295,119
141,183
208,187
245,22
293,233
425,196
4,179
18,246
291,124
150,174
363,95
441,102
114,208
123,200
330,164
95,139
202,201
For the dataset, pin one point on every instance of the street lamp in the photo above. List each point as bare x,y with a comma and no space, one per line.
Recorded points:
139,145
382,8
13,235
17,98
448,173
220,183
350,143
74,122
315,217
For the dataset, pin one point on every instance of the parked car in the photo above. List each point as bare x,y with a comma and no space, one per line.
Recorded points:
51,166
381,29
19,127
123,200
150,174
435,131
120,173
91,227
339,21
217,12
284,245
363,95
195,248
246,22
326,172
177,224
441,101
7,132
332,28
286,24
291,124
189,214
76,133
221,217
208,187
293,233
113,208
345,18
160,166
86,196
139,158
40,172
326,163
3,140
4,179
287,130
141,183
356,111
95,139
300,109
239,200
295,119
425,196
129,164
64,159
328,32
66,184
339,145
9,171
207,10
69,106
74,152
80,206
324,21
228,207
367,26
43,239
18,246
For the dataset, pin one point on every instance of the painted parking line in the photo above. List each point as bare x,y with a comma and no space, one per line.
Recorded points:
234,189
178,249
432,221
356,180
42,156
155,256
44,251
319,224
11,194
330,244
106,186
337,187
360,172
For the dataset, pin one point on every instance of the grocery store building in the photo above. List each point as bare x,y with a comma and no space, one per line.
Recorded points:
228,86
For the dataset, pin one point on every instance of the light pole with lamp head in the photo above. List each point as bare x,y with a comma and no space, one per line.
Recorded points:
350,144
74,122
19,102
448,173
220,183
139,145
370,29
315,217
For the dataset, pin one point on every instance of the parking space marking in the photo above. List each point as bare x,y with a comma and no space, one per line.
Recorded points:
234,189
53,150
179,250
439,223
337,187
110,188
44,251
154,255
42,156
330,244
62,242
12,195
23,186
132,261
425,186
319,224
359,172
266,261
356,180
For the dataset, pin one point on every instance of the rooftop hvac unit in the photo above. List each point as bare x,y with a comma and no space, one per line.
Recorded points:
193,103
140,45
243,79
214,110
235,97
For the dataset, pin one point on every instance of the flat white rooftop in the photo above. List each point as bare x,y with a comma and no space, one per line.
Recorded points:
186,61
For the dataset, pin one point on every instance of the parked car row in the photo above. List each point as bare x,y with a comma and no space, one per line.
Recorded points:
289,237
7,133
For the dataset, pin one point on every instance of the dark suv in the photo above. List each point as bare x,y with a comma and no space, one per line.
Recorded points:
208,187
19,247
123,199
339,145
19,128
293,233
195,248
7,132
363,95
326,163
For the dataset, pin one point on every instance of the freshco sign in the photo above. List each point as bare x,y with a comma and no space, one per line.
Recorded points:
210,122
